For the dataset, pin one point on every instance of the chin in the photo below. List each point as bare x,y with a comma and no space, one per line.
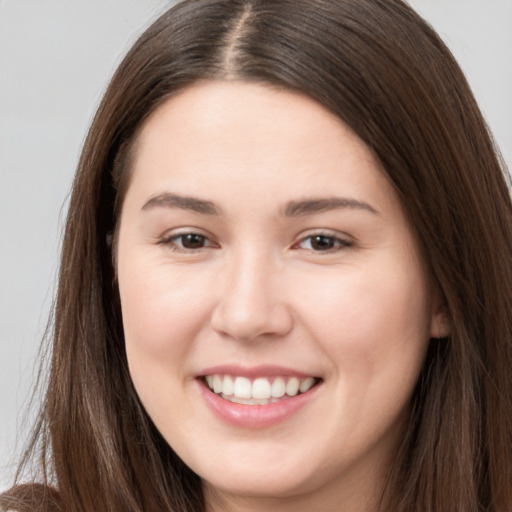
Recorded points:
260,484
282,476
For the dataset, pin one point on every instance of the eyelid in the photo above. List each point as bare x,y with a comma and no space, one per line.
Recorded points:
344,241
170,236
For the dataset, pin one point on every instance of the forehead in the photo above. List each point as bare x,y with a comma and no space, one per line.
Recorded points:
251,125
246,145
264,113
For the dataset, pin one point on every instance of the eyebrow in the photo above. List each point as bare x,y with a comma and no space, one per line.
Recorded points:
168,200
292,209
319,205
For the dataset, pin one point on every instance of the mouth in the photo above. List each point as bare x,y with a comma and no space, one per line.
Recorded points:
260,390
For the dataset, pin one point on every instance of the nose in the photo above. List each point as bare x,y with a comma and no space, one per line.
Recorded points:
251,303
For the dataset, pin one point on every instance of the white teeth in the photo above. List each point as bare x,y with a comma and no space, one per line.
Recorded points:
243,388
228,386
278,387
306,384
236,400
259,392
247,401
292,386
261,388
217,383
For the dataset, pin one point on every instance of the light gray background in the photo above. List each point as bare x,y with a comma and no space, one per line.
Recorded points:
55,59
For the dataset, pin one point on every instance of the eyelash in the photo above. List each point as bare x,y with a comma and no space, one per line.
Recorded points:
171,242
336,242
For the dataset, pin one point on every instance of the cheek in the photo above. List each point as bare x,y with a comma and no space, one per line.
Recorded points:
372,320
374,328
163,313
159,304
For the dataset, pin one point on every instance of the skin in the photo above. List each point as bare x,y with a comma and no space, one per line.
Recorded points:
258,290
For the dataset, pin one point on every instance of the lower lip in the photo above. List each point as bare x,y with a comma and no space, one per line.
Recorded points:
255,416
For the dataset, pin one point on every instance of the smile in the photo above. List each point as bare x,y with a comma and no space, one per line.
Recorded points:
258,391
257,397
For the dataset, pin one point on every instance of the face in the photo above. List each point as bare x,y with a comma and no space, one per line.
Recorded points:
275,309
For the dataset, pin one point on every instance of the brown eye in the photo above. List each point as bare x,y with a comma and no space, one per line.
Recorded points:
192,240
324,243
187,242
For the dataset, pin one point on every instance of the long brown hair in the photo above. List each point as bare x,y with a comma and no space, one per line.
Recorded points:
379,67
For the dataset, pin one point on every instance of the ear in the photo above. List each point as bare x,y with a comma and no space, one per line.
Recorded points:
440,323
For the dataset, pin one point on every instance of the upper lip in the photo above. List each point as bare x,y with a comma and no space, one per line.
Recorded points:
253,372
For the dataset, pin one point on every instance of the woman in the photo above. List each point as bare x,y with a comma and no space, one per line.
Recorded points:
285,279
